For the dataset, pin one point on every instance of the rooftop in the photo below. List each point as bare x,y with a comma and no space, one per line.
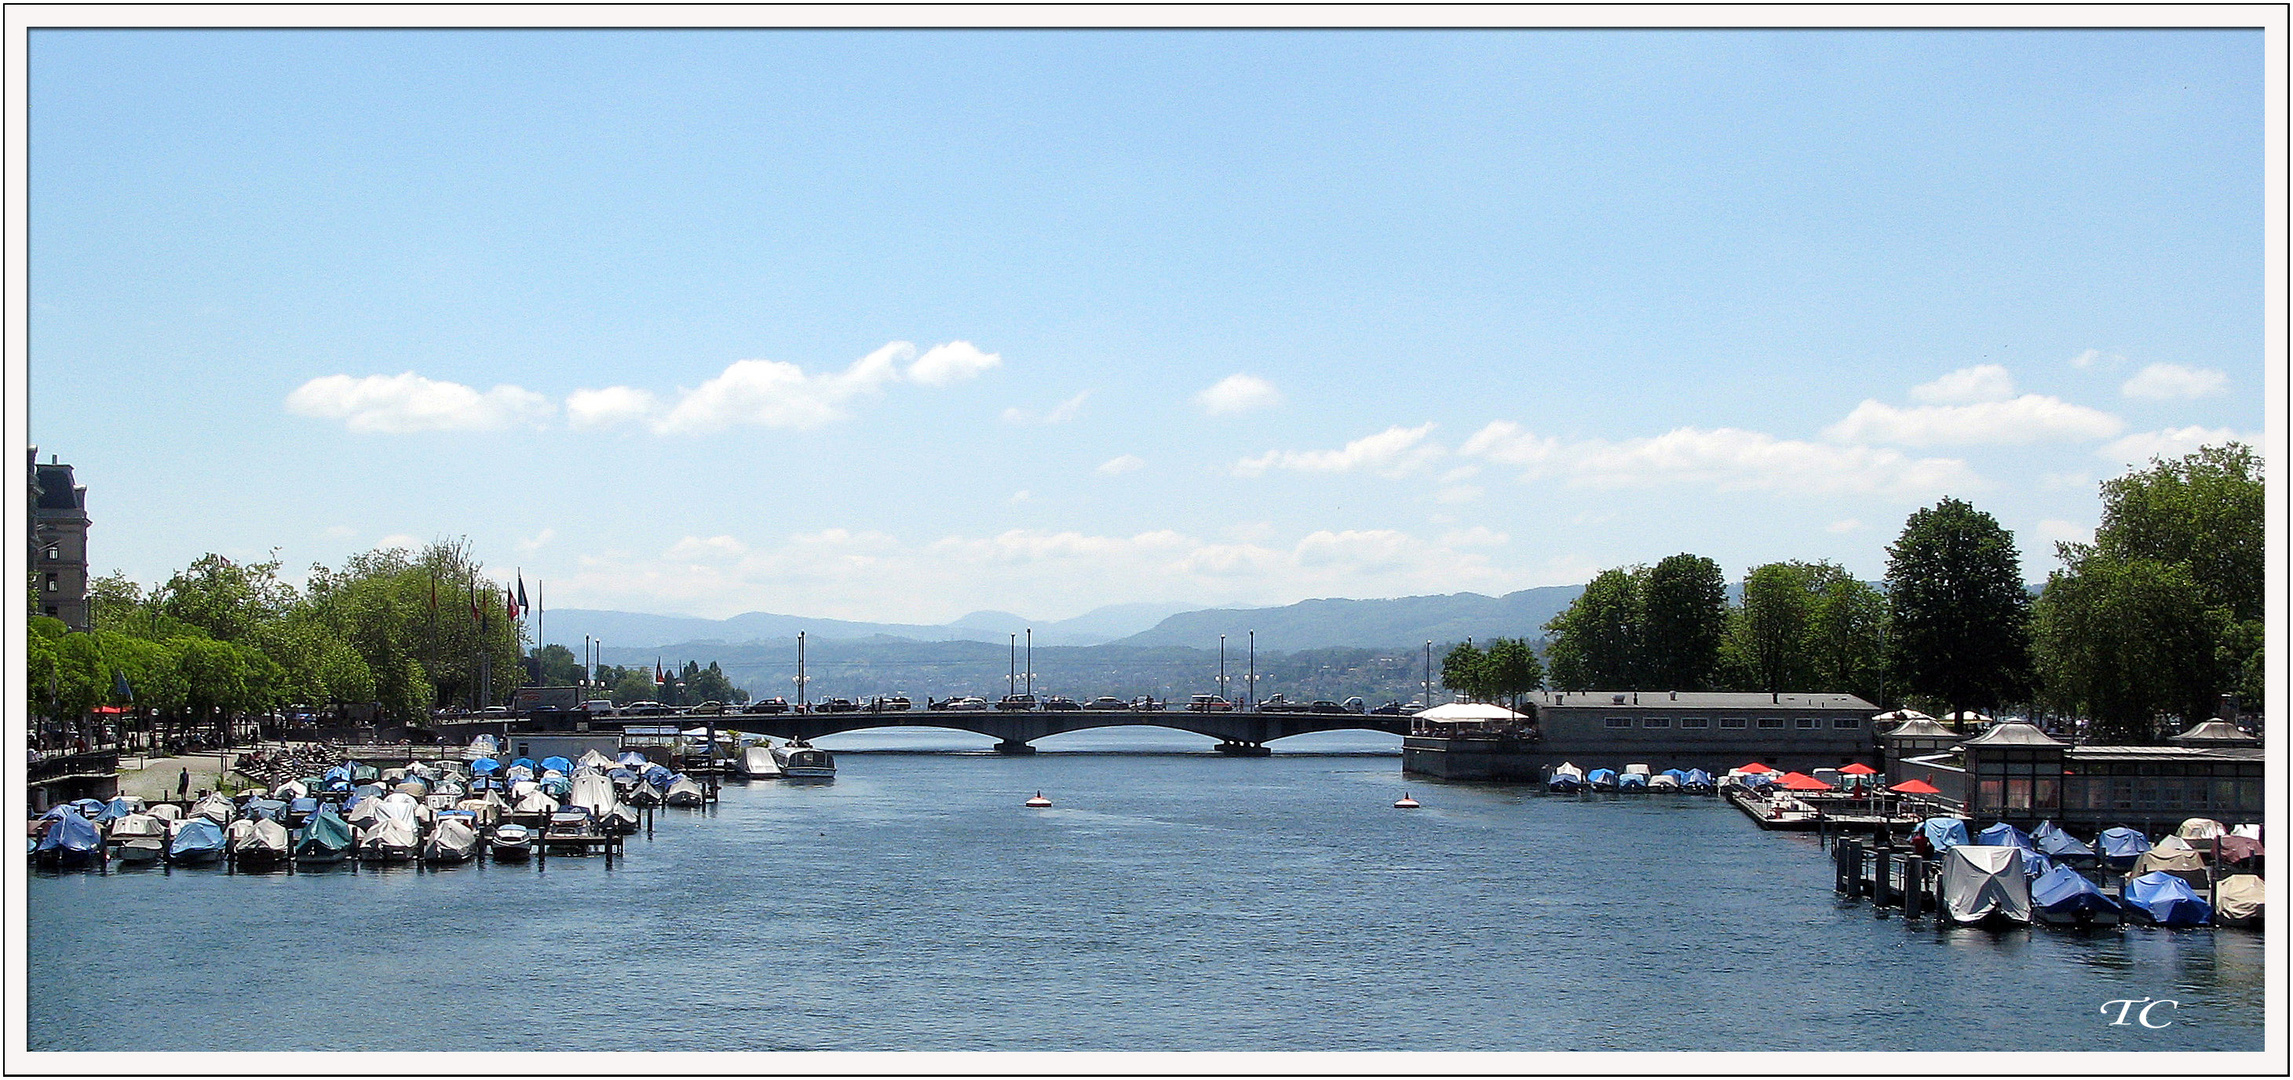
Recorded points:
1697,701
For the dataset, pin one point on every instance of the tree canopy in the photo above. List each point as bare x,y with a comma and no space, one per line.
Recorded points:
1961,615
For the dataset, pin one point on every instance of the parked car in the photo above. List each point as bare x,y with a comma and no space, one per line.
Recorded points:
707,708
1390,708
895,703
1146,704
1325,707
1208,703
1060,704
1354,705
836,705
1016,703
962,704
1278,703
595,706
1107,704
767,707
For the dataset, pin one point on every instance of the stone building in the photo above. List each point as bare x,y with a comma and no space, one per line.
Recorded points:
1662,729
2019,774
59,541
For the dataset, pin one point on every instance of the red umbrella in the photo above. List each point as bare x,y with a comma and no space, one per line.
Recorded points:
1755,767
1857,769
1795,781
1916,787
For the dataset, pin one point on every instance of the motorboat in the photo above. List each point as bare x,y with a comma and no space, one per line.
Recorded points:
2238,900
389,840
217,808
1601,779
757,763
684,791
572,831
325,838
454,839
2060,846
137,838
644,796
800,760
70,840
258,843
619,819
2121,846
534,807
1984,883
1944,833
1698,782
198,840
2164,899
2064,897
1632,781
1566,779
510,843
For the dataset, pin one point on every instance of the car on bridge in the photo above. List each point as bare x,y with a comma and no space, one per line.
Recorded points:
1146,704
1325,707
1060,704
1016,703
1278,703
1107,704
895,703
1208,703
767,707
959,704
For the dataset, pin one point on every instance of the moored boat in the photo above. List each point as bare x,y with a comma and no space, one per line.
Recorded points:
258,843
757,763
800,760
1984,884
452,840
198,840
684,791
2065,897
2162,899
70,840
324,838
1601,779
510,843
1566,778
2238,900
137,838
389,840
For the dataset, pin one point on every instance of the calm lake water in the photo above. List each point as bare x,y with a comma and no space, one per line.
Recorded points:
1172,899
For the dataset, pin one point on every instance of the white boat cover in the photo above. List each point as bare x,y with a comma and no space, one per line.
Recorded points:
425,771
455,835
1981,880
485,811
485,746
441,801
593,791
290,791
536,802
389,832
2239,897
1569,769
218,808
392,776
684,788
135,825
1661,781
521,788
364,813
757,761
592,759
2173,845
398,804
2250,832
167,812
262,834
2199,828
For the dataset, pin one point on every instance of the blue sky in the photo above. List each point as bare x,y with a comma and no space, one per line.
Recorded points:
898,326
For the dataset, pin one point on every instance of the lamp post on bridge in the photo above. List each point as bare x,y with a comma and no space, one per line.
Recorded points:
1222,666
1250,689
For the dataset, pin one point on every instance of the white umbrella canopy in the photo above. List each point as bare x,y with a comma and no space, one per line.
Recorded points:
1457,711
1903,714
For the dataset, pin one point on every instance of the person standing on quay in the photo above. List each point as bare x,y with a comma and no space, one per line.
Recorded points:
183,784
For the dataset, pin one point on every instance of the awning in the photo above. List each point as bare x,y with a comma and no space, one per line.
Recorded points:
1798,781
1857,769
1916,787
1457,711
1755,768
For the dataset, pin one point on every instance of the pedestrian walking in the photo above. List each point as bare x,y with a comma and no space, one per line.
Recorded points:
183,783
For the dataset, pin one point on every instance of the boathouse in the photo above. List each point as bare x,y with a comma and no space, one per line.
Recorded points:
1667,729
2016,773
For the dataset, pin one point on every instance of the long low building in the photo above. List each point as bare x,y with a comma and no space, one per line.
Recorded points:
1662,729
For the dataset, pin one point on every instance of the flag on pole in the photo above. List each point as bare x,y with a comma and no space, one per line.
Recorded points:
477,614
119,685
660,677
521,605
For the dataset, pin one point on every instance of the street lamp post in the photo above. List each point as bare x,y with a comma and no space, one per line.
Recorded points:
1250,692
1222,666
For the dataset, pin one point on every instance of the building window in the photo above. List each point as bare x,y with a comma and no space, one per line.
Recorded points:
1733,722
1696,722
1846,721
51,611
52,556
51,581
1656,721
1771,722
1806,722
1617,721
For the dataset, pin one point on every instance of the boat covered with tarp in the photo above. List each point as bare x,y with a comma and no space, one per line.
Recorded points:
2121,845
1601,779
756,763
2238,900
2198,828
2181,861
256,842
1566,778
389,839
120,806
70,840
2066,897
684,791
1944,833
1983,883
137,838
1668,780
324,838
556,764
1698,782
2005,835
2060,846
2162,898
1632,781
199,839
453,839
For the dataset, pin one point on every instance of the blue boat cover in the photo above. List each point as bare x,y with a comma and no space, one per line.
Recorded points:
60,810
659,776
1596,776
198,834
2061,845
1677,775
525,763
117,809
2034,864
2121,844
71,832
338,772
2167,900
303,806
88,808
558,763
1944,833
2005,835
1632,779
2066,892
484,766
1697,776
264,808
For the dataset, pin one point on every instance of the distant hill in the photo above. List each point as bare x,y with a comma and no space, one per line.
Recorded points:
565,626
1368,624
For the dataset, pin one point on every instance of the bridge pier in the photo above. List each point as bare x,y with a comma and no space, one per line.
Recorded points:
1244,749
1013,746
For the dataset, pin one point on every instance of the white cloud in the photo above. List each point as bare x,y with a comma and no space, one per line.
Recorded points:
399,540
400,404
1061,413
1121,465
2053,530
769,393
1987,382
340,532
1394,452
1237,394
2137,449
1844,525
2091,357
1457,493
1506,443
1726,459
713,547
2026,419
952,362
2166,382
1019,496
1476,536
538,540
613,405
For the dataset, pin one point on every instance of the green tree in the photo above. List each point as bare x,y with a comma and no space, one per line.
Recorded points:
1847,639
635,685
1684,620
1464,669
709,684
2125,641
1596,642
228,600
559,667
1511,669
1771,628
1961,614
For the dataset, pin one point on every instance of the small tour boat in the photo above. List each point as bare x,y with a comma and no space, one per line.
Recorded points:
1039,802
800,760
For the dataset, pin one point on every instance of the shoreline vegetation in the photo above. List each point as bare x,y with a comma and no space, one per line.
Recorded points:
2146,629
